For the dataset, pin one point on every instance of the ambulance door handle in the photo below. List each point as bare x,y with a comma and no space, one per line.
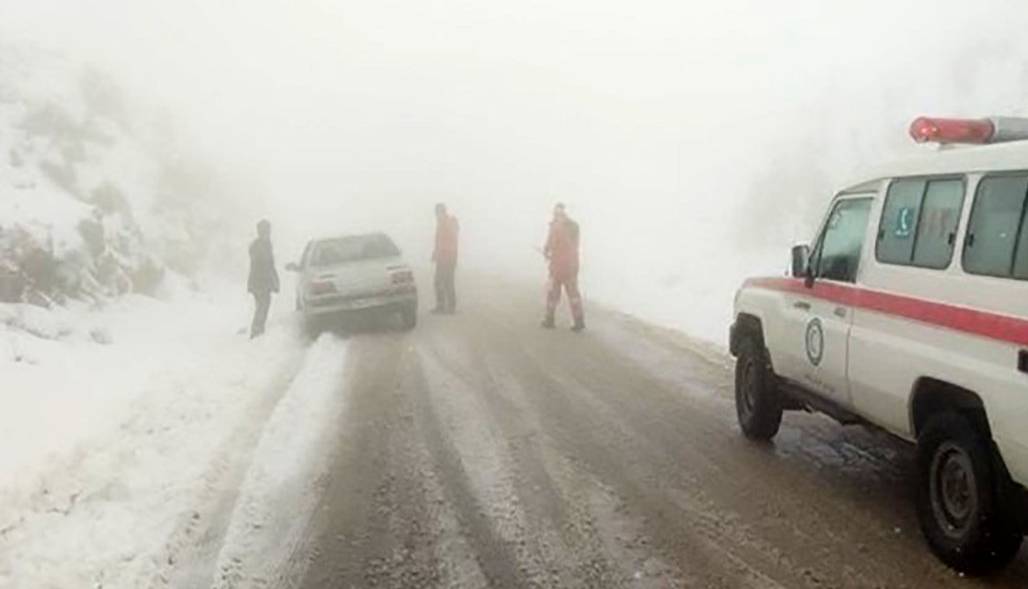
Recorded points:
804,305
840,312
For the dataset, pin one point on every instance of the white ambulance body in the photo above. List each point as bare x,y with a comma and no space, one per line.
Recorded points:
910,313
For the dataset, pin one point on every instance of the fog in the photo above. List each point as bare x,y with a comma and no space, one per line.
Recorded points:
692,141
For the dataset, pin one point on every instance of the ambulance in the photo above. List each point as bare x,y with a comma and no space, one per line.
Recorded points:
909,312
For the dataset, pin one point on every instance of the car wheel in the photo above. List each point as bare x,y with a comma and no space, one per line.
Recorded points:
313,327
757,400
960,491
409,316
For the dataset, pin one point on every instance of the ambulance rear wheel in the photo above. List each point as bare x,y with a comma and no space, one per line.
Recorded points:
758,403
961,492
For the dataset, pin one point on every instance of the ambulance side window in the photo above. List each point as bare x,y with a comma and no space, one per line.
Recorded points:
919,222
899,221
937,228
994,233
838,253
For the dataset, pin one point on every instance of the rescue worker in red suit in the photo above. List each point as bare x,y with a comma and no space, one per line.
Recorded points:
444,255
561,250
263,278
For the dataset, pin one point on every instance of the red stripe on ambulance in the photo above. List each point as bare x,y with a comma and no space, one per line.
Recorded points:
995,326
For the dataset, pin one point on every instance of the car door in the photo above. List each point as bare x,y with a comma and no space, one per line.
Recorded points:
820,312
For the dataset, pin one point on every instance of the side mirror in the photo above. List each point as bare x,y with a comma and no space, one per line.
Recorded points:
800,267
292,267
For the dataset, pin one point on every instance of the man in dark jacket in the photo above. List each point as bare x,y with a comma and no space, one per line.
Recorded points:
447,234
263,279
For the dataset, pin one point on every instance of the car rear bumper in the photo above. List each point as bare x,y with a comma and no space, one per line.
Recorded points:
338,303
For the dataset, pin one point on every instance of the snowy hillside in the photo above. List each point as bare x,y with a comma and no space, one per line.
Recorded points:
94,200
99,207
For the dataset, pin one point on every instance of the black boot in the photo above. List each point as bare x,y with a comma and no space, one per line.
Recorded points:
548,322
579,324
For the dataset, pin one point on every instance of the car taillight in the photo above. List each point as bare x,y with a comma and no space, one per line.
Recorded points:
403,277
321,288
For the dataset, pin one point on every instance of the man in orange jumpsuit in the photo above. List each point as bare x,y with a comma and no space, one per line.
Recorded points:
561,250
444,255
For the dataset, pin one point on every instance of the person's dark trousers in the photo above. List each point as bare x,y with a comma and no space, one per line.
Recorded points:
568,283
445,287
260,313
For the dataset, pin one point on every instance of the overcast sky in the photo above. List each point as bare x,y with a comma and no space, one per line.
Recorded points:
676,131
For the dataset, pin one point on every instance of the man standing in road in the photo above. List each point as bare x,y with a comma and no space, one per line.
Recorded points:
444,255
561,250
263,279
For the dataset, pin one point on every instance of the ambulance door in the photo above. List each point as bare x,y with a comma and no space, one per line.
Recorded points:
822,313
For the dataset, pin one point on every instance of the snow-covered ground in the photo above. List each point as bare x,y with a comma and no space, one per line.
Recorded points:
696,298
148,433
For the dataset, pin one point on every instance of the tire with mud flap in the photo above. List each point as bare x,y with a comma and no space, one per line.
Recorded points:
962,493
758,403
409,316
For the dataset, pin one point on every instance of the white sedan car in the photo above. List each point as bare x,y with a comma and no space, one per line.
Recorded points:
354,274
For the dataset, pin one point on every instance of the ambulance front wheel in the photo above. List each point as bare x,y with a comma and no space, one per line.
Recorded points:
758,403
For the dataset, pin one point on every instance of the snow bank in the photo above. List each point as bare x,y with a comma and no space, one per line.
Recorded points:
118,456
287,467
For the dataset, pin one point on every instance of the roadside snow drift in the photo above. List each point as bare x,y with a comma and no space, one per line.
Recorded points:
120,459
282,488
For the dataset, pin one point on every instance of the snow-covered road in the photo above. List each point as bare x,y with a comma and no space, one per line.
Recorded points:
482,451
475,451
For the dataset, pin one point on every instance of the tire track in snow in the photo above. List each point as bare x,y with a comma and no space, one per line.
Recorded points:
392,515
550,497
596,423
516,547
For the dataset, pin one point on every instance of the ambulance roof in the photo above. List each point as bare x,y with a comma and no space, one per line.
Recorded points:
1012,155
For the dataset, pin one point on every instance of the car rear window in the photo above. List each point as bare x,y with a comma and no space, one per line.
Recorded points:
919,222
995,243
351,249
